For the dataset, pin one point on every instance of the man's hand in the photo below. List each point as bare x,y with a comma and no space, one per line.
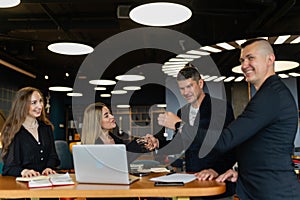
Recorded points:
168,120
230,175
152,142
206,174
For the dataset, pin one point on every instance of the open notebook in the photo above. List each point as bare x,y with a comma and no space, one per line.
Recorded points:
105,164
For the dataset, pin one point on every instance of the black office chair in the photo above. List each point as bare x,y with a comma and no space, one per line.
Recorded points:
65,156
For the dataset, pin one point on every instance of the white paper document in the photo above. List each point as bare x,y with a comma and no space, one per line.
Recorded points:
186,178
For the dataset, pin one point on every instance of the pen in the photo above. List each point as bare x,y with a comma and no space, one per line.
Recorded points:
170,173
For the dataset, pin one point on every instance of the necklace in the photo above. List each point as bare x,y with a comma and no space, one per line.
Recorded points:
33,126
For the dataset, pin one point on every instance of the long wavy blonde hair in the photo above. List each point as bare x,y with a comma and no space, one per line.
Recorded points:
91,126
17,115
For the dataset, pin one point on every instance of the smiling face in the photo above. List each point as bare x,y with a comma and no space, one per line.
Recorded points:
108,120
191,90
36,105
257,63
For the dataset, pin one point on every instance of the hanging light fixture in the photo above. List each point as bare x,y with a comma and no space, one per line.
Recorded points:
70,48
160,14
9,3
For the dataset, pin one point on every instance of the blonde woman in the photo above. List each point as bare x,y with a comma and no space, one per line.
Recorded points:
98,123
27,137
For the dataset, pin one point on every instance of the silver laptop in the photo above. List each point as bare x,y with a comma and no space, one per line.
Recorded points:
101,163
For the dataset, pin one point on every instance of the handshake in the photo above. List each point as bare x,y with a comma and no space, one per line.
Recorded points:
149,142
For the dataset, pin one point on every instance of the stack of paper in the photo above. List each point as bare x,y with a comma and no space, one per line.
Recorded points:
185,178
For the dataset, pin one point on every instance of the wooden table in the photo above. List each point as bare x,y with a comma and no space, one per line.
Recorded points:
10,188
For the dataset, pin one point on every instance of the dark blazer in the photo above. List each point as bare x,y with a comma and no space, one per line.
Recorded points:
192,138
264,134
26,153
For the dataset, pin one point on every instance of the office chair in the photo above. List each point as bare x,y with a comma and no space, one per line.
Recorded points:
64,155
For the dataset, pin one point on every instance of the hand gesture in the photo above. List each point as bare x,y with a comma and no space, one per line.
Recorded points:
168,120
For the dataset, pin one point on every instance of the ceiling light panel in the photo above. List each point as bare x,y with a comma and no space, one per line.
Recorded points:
211,49
238,79
131,88
60,89
100,88
296,40
200,53
70,48
74,94
188,56
226,46
118,92
229,79
130,77
102,82
160,14
9,3
282,39
105,95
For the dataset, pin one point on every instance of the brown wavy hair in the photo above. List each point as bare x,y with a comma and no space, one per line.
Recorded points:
17,115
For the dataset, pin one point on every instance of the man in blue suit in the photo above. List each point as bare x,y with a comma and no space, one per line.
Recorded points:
264,133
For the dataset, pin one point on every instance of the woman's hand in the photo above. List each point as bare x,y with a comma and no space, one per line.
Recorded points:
230,175
29,173
48,171
206,174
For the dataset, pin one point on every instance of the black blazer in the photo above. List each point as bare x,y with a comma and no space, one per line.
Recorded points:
264,134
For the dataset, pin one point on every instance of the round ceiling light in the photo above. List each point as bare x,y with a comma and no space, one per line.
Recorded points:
70,48
100,88
60,89
118,92
280,66
105,95
130,77
102,82
9,3
74,94
131,88
160,14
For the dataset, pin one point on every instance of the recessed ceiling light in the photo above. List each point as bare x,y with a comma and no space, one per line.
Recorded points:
294,74
70,48
211,78
46,77
280,65
239,42
123,106
105,95
161,105
176,63
130,77
281,39
296,40
160,14
283,75
219,79
181,59
102,82
100,88
9,3
132,88
229,79
211,49
238,79
226,46
188,56
74,94
60,89
197,52
118,92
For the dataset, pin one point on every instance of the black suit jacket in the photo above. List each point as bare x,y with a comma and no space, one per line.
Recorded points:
192,137
264,134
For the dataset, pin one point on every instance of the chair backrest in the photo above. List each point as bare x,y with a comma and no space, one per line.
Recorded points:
1,161
64,154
